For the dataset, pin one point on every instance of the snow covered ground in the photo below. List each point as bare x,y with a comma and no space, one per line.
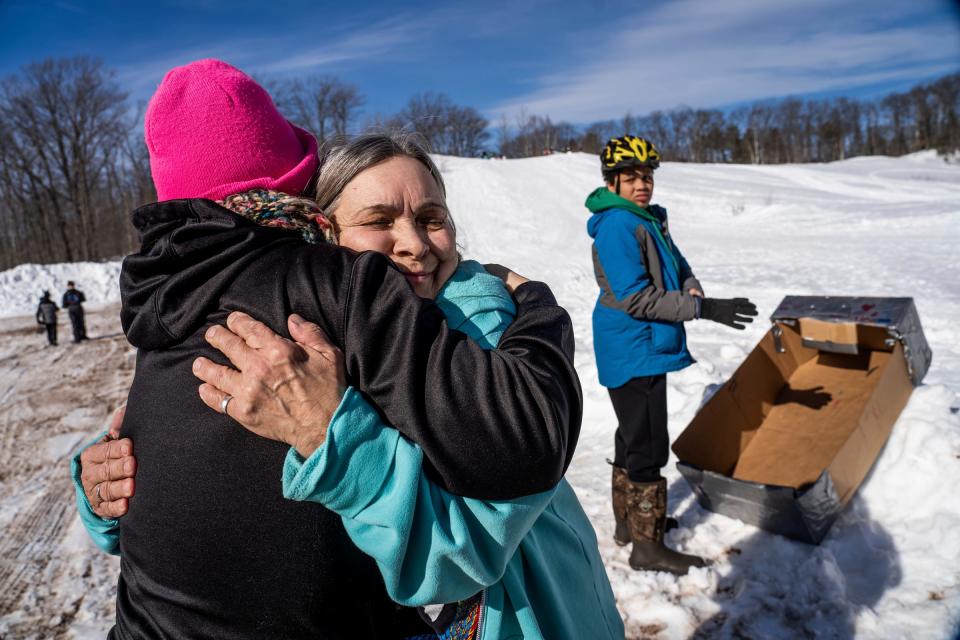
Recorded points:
889,568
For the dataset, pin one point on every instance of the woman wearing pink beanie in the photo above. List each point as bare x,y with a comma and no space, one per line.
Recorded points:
210,547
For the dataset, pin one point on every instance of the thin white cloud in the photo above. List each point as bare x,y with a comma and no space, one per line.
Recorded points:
371,41
69,6
707,54
397,35
272,55
325,50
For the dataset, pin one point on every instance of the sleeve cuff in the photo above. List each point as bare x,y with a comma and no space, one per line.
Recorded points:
103,531
534,293
347,471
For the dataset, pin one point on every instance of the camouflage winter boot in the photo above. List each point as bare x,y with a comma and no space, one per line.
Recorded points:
647,519
621,485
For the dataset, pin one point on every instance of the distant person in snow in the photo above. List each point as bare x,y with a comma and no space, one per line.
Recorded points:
73,302
47,316
647,292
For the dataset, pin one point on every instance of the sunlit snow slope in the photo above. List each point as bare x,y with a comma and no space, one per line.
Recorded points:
890,567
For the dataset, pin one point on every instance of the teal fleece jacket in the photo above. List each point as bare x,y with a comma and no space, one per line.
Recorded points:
536,557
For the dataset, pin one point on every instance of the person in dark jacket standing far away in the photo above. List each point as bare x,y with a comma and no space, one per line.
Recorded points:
73,302
47,316
647,292
210,547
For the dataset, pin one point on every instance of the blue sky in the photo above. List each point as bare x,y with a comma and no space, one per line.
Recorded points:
576,61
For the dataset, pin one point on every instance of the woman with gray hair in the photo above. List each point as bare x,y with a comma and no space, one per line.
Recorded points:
210,546
527,566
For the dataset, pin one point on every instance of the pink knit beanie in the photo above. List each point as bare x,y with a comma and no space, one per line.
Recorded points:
213,132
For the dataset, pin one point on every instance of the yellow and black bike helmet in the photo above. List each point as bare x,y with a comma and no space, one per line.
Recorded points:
628,151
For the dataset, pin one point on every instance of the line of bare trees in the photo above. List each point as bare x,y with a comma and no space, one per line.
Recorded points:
323,105
329,108
68,164
73,163
790,130
447,127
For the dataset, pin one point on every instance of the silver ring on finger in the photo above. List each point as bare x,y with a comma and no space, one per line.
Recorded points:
97,492
225,402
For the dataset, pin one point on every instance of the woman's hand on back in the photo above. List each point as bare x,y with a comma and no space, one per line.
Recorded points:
107,471
279,389
510,279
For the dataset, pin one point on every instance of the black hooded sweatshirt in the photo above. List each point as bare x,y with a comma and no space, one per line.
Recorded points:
210,548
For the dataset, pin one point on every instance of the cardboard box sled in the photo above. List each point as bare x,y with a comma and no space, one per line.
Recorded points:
786,441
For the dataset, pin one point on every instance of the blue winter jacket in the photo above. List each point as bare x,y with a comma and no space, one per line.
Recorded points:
644,282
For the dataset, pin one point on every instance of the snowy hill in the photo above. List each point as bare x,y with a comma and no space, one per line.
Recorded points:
868,226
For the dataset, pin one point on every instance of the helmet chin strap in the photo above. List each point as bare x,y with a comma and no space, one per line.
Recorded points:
618,183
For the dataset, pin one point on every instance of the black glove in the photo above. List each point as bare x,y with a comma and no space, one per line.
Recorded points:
734,312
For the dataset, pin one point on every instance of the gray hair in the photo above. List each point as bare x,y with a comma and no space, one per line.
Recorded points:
342,163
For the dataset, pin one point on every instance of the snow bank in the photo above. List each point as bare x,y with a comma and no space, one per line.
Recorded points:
22,286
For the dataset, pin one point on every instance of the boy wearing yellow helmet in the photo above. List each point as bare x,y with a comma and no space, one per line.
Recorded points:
647,292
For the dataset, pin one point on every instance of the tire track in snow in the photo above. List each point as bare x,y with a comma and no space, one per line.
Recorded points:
53,398
25,551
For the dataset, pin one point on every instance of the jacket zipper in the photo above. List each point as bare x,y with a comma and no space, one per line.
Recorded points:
482,618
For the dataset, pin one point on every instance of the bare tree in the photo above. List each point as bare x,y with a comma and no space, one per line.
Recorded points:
426,113
758,122
593,139
538,135
503,133
945,96
324,105
447,127
680,128
466,132
656,127
897,108
63,125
